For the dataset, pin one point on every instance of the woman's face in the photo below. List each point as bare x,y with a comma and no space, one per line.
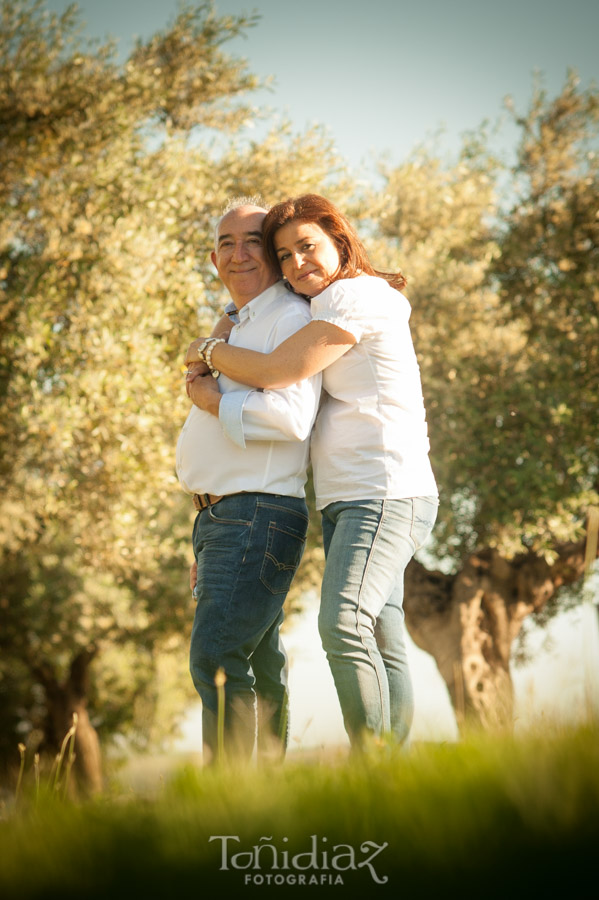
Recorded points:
308,257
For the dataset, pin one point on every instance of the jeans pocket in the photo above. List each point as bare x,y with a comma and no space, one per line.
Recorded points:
219,517
283,554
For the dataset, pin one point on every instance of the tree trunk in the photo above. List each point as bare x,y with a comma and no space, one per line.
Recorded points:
468,622
64,699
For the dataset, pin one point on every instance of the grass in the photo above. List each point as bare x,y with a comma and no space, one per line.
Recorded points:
489,816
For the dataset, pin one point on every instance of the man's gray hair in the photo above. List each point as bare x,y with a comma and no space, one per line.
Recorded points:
237,203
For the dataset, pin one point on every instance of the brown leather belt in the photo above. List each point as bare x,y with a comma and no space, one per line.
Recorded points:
203,501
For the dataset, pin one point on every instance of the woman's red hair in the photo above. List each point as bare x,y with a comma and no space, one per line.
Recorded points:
314,208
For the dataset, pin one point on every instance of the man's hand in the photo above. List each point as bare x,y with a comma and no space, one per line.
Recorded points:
193,575
196,370
204,392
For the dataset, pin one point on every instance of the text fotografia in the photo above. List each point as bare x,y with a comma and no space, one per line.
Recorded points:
265,863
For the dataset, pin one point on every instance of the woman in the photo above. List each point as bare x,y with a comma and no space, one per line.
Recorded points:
372,476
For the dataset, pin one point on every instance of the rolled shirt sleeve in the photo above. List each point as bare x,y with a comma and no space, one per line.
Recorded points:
230,415
274,415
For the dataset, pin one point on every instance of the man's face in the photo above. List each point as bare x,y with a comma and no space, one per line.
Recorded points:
239,258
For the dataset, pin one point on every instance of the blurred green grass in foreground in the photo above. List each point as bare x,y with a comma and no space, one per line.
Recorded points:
489,816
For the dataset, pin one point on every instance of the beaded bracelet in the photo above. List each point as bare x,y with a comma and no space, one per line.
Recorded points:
208,355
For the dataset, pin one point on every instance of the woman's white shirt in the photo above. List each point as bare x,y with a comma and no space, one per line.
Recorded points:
370,440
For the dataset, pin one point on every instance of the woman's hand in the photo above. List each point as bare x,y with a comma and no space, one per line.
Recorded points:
191,357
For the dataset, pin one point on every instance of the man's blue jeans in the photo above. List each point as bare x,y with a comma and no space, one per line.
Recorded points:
368,544
247,548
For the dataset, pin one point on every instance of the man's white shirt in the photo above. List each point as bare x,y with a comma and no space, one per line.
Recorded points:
260,440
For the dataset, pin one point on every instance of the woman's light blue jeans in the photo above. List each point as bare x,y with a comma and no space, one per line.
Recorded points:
368,544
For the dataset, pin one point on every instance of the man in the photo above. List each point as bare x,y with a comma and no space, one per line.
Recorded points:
243,454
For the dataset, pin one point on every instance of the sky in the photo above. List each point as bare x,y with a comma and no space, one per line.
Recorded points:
383,77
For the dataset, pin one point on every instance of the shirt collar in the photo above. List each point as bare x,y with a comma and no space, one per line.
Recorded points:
256,306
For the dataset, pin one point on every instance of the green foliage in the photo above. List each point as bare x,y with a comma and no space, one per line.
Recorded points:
505,321
109,189
449,818
547,275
